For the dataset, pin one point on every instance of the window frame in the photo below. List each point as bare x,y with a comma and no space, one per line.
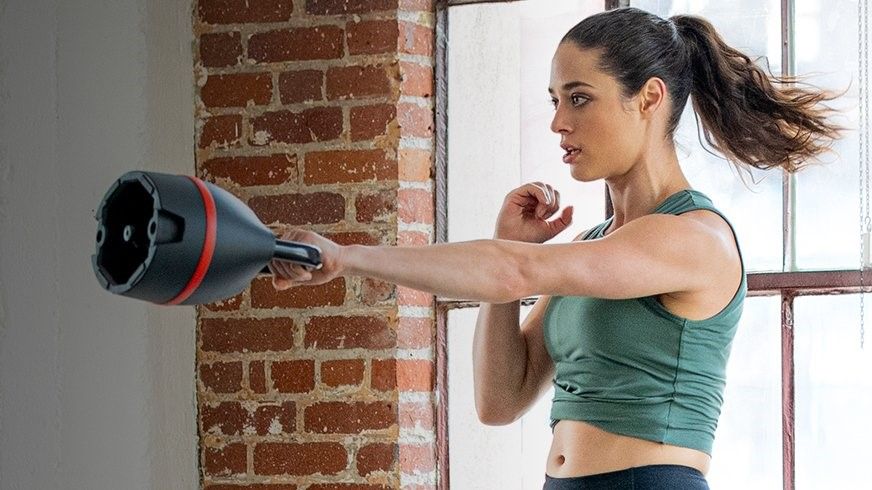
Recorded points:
788,284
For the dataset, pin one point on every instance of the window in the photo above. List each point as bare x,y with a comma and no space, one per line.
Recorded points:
499,114
797,345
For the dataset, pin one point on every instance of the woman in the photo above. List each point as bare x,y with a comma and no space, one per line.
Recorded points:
637,315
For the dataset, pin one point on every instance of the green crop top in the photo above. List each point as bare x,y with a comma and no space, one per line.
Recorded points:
632,367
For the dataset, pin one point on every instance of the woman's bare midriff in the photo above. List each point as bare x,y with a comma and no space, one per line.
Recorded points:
581,449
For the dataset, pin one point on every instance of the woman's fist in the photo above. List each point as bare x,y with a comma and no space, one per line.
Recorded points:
525,212
287,274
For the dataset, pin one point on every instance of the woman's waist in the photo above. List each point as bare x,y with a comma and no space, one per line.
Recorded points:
579,448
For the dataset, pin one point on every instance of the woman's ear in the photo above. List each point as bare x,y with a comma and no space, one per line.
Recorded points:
651,97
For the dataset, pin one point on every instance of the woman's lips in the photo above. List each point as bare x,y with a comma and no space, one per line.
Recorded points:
571,156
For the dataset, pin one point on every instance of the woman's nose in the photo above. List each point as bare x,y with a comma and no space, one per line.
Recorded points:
559,123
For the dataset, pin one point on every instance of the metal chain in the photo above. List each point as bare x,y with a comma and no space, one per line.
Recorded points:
865,216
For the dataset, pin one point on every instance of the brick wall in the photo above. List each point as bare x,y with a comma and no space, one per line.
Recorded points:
319,114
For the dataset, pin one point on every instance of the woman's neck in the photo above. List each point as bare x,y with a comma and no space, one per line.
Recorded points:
648,183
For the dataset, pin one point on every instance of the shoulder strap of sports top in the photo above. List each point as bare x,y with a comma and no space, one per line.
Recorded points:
682,201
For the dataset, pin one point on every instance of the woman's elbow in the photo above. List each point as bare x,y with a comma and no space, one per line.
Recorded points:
493,416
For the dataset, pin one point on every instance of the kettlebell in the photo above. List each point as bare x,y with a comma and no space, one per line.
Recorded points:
176,239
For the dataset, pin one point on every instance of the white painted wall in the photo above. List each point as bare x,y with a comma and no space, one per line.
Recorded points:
96,391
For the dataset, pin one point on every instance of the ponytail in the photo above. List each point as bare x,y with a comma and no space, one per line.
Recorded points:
745,116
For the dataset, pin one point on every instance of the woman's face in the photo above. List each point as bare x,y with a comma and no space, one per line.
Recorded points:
591,116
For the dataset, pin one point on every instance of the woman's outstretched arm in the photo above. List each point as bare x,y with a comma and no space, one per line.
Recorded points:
477,270
653,254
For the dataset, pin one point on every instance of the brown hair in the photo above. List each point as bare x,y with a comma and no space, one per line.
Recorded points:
744,114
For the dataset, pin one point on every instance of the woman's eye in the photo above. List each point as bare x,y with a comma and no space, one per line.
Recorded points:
576,99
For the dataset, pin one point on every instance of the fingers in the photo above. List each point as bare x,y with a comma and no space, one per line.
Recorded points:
286,274
544,194
548,197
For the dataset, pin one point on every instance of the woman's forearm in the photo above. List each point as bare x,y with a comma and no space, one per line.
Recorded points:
499,362
477,270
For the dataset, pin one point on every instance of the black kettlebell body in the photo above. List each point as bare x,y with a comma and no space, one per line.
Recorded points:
175,239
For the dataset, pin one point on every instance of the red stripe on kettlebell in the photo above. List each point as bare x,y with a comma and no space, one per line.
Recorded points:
208,244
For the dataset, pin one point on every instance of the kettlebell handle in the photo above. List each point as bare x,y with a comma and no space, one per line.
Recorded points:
306,255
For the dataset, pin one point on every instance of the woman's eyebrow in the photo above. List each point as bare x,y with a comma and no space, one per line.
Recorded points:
571,85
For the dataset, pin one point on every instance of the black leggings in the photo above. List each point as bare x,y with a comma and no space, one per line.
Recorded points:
649,477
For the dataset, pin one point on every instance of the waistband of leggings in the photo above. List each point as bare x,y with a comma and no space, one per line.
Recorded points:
674,467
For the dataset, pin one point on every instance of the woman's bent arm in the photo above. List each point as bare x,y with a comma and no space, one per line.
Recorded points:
511,366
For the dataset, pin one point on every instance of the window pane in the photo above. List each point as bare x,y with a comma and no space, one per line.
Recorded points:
833,392
754,27
495,81
747,448
509,457
827,204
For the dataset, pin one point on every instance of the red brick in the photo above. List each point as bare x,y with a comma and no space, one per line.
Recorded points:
415,206
222,377
347,486
317,124
416,165
333,7
349,418
227,304
342,372
412,239
354,238
301,86
413,297
277,458
276,419
367,122
305,43
377,207
372,37
294,376
220,49
236,90
417,80
376,457
300,209
415,375
222,131
257,377
413,5
414,415
349,332
239,11
348,166
256,486
227,461
229,418
247,334
265,295
356,82
415,120
375,291
384,374
414,333
417,458
254,170
416,39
